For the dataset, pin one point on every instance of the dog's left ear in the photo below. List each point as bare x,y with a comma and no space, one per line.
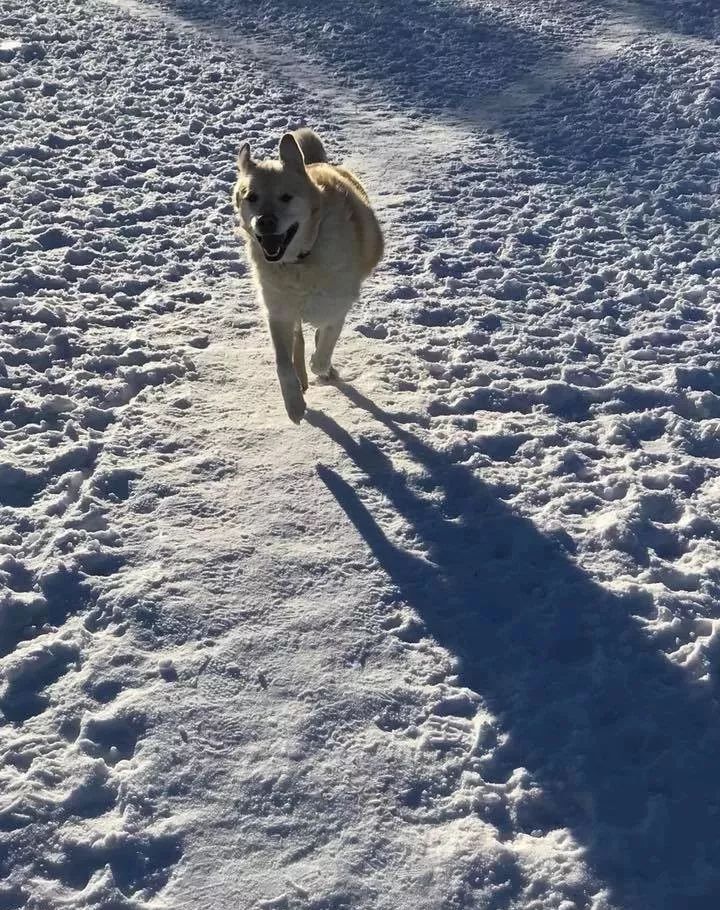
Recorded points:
244,161
290,153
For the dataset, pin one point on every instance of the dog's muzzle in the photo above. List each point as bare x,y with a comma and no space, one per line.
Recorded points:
275,245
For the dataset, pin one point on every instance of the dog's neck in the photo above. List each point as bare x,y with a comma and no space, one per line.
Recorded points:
311,234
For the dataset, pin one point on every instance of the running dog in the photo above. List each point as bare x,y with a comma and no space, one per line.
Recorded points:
312,239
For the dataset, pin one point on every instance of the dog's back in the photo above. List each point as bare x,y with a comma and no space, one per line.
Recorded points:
345,190
350,192
311,146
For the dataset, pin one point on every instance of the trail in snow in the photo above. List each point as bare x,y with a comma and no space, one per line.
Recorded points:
453,642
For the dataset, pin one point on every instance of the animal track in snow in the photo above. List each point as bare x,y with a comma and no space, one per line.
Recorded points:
29,672
136,862
112,736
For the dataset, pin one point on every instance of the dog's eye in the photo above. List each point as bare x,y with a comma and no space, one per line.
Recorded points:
251,197
286,197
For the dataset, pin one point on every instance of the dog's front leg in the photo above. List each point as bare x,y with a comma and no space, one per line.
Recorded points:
299,356
282,334
325,339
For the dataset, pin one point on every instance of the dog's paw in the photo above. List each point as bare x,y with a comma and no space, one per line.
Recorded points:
324,371
292,394
294,403
331,375
317,367
295,408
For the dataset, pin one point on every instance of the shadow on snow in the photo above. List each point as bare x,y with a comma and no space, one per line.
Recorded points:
430,58
623,743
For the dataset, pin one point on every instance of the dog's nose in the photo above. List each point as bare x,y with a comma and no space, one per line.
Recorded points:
266,224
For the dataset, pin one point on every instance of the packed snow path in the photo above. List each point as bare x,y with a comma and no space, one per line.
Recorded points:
453,642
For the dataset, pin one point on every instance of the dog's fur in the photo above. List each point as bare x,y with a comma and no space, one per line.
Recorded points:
312,239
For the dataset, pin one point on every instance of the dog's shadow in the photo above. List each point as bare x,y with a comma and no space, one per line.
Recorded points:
623,743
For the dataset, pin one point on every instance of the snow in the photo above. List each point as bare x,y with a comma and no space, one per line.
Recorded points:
452,642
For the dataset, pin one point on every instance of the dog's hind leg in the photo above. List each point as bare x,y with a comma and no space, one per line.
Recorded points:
299,356
283,334
325,341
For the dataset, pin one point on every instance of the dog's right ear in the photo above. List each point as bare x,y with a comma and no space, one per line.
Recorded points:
291,154
244,161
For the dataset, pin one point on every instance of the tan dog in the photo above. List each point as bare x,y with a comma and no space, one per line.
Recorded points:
312,239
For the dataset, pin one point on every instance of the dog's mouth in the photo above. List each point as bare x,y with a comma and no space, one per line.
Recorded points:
275,245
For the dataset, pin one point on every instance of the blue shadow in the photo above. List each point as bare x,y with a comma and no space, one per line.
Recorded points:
623,742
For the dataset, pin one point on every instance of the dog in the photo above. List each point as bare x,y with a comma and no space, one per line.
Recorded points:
312,238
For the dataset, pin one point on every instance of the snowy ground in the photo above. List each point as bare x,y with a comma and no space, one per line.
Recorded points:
455,640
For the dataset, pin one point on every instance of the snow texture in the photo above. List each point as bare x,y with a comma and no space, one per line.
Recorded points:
454,642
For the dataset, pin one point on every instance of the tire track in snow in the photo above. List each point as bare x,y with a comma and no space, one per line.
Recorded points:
624,24
371,132
377,133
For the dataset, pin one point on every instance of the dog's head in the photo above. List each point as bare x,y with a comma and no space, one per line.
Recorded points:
276,200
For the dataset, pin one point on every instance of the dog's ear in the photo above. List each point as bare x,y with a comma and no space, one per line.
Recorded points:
244,161
290,153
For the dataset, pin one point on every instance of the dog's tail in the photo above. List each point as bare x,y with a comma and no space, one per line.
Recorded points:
312,148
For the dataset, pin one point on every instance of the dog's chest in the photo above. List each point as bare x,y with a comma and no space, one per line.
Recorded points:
318,295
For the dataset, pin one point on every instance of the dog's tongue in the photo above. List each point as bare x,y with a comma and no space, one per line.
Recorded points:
272,243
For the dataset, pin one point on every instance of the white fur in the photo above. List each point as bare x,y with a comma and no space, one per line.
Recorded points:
338,231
